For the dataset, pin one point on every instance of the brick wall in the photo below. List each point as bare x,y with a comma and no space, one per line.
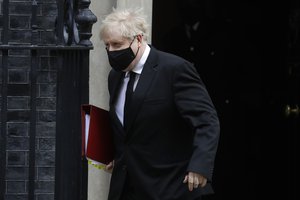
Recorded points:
18,126
19,123
20,21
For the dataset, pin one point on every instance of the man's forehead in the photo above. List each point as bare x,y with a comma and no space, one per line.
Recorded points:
112,39
114,35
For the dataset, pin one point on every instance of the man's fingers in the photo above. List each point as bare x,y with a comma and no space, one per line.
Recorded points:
185,179
190,182
194,180
109,167
203,182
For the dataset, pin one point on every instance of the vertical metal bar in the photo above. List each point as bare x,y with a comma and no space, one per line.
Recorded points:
68,154
33,78
72,22
34,31
59,22
83,78
5,21
59,112
3,139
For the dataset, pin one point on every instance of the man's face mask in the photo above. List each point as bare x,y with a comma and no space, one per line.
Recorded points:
121,59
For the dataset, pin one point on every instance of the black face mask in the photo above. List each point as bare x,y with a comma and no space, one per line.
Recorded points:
121,59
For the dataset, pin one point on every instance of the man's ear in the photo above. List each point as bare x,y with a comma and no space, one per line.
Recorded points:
140,38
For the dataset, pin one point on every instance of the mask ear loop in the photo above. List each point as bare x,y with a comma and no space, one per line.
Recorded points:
138,46
137,51
132,41
136,36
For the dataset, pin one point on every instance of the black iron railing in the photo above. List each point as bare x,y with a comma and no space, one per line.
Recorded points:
69,45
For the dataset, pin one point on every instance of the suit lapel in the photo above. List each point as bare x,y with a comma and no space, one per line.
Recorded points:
118,76
115,87
144,83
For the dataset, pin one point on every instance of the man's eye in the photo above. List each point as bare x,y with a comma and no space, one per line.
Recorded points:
116,45
113,46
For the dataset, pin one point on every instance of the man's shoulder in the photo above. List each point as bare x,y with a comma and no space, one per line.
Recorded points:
167,56
170,63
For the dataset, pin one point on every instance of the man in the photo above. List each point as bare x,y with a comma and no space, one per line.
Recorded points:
166,138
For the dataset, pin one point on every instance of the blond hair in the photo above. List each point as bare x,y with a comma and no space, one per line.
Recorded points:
129,22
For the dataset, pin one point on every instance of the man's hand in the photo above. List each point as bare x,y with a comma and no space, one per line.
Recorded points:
194,180
109,167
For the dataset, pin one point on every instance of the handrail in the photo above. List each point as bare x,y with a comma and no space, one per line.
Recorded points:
47,47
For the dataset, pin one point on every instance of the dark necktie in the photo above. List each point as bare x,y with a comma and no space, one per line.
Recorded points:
128,98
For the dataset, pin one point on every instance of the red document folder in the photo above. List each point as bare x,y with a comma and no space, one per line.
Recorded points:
97,143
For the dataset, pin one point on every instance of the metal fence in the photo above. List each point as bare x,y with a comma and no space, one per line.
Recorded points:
44,56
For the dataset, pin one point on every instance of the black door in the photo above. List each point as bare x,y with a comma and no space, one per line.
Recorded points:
247,54
281,97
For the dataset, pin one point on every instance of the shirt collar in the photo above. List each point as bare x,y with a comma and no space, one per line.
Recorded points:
139,67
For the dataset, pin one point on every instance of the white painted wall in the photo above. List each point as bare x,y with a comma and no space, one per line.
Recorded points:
99,66
98,180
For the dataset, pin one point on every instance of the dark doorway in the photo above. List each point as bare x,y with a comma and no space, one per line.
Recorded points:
248,55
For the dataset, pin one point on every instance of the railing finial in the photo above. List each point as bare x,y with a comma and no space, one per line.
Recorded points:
85,20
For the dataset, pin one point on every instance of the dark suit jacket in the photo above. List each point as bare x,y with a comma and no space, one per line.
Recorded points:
173,128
